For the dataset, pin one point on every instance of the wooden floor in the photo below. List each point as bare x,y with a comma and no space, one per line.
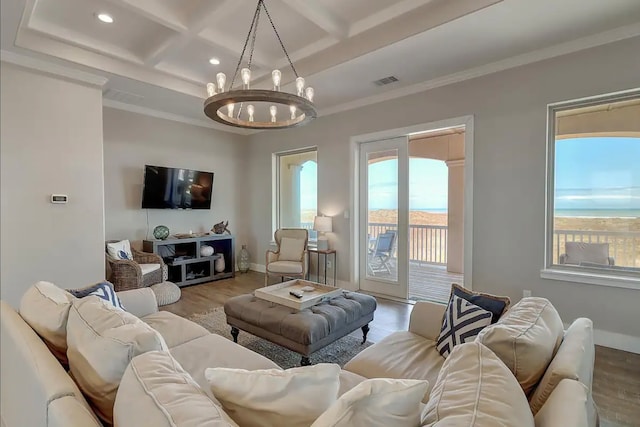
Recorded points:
616,380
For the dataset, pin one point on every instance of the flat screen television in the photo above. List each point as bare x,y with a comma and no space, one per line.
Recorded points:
173,188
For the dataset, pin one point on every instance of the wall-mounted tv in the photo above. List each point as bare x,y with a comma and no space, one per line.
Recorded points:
173,188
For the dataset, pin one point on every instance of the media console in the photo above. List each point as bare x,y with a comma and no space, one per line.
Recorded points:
186,264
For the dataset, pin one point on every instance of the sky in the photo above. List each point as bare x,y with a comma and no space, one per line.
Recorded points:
590,173
597,173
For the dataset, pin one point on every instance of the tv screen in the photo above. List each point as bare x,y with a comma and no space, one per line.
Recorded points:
172,188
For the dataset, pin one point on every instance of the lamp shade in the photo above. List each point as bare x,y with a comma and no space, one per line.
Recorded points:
322,224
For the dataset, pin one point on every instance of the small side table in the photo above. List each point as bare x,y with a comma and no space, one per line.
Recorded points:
326,253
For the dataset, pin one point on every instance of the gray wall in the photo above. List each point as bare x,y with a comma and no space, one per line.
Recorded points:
509,172
51,142
132,140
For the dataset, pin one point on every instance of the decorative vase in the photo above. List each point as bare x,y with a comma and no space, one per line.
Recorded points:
161,232
220,265
244,259
206,250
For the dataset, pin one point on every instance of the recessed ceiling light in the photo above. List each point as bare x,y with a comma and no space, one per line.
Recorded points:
214,61
106,18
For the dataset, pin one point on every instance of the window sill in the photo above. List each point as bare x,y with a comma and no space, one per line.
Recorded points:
591,278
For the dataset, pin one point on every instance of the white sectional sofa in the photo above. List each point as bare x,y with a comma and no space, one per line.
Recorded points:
167,386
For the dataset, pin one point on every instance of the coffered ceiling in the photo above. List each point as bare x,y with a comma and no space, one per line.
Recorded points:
156,53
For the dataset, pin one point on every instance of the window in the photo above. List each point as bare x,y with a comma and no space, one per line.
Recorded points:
296,189
593,195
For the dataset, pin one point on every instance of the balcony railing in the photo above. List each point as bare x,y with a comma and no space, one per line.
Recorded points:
623,245
427,243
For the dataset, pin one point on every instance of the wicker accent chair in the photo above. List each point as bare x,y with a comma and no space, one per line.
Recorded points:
131,274
289,267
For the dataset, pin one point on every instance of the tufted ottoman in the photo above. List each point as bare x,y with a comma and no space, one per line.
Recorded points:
302,331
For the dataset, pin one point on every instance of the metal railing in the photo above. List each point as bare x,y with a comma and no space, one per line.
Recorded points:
623,245
427,243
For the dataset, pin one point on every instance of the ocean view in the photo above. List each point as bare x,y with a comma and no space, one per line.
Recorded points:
598,213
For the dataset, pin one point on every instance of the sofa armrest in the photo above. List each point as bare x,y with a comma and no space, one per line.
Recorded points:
570,405
272,256
426,319
139,302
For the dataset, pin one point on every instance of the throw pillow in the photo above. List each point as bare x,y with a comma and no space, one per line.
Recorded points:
156,391
526,339
101,341
120,250
291,249
102,290
45,307
462,322
474,388
273,397
377,402
495,304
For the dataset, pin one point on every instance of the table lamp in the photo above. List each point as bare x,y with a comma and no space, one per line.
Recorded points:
322,224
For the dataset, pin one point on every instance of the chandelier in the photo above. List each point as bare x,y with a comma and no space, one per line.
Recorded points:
259,108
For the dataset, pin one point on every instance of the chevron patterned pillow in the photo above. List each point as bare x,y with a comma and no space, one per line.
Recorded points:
461,323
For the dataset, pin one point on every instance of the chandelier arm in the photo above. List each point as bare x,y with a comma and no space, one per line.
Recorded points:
279,39
244,48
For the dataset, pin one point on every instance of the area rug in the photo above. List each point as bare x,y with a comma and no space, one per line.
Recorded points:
340,351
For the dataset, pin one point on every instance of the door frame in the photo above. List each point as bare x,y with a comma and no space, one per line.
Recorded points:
354,190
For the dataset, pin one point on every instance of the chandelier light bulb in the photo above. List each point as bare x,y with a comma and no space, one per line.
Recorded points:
309,92
245,73
230,108
300,85
211,89
250,111
276,76
221,78
274,111
292,108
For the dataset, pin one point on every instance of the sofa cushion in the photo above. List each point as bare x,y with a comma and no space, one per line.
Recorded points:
399,355
526,339
377,402
45,307
174,329
348,380
462,322
569,405
274,397
213,351
474,388
156,391
291,249
102,340
573,360
497,305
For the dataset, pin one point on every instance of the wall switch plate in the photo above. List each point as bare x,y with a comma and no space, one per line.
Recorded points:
526,293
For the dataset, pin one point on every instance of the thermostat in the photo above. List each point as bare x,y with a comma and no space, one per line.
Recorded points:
59,198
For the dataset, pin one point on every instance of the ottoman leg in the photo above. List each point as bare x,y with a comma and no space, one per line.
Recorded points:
305,361
234,333
365,331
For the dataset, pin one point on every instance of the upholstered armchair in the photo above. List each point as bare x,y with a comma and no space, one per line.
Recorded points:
582,253
290,258
144,269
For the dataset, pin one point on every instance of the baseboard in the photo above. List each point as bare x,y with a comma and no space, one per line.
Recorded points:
260,268
618,341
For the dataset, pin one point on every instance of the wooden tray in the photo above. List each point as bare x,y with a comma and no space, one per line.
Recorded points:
279,293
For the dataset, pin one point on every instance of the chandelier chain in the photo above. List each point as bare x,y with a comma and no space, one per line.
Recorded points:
246,42
253,39
279,39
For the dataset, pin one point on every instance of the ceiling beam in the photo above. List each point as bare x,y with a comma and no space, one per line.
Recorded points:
321,16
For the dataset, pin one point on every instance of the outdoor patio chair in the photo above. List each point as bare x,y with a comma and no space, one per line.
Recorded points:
582,253
382,252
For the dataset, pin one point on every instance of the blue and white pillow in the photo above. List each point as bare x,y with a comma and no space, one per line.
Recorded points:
103,290
120,250
462,322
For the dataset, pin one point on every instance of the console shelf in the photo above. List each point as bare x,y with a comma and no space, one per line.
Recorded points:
186,265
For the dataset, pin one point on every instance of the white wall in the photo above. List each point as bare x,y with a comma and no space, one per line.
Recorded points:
132,140
509,172
51,142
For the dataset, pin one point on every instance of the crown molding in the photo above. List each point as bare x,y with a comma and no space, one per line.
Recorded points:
110,103
611,36
52,68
